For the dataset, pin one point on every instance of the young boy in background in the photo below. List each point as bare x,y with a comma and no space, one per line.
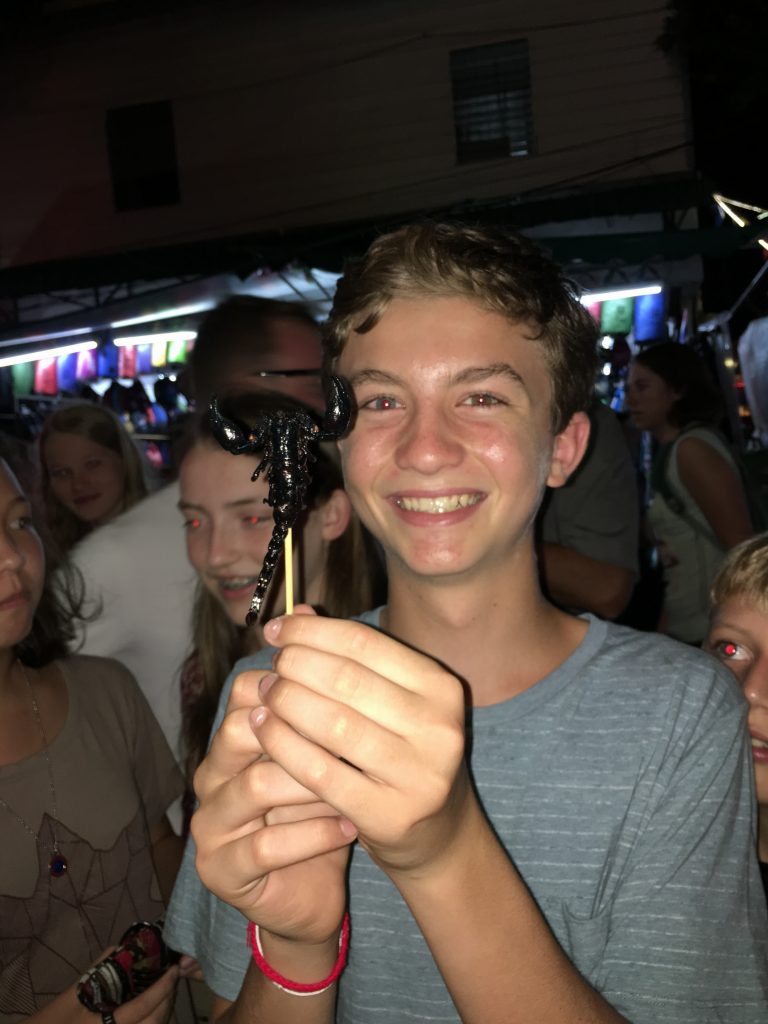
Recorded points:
738,636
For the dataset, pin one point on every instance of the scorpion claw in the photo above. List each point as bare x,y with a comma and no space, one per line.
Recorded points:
229,434
338,414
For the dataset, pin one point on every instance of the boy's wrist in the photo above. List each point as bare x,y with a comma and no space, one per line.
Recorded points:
304,962
460,854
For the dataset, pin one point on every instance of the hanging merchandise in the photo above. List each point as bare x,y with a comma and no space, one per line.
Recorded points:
87,365
23,375
67,371
616,316
593,308
144,359
126,361
46,377
159,353
177,350
107,362
649,318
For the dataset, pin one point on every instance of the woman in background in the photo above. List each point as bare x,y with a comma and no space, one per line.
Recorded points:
85,780
228,527
92,471
699,509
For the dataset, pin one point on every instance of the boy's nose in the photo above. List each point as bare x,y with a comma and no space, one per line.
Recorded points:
755,683
428,443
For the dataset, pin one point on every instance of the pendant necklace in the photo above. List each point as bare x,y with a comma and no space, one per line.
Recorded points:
57,863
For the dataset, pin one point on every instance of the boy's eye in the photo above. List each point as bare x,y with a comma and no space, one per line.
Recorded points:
483,398
728,650
58,473
192,524
381,403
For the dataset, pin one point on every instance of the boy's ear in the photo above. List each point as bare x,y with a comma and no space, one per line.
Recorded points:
569,449
335,515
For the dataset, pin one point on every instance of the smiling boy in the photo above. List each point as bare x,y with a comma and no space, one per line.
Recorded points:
552,814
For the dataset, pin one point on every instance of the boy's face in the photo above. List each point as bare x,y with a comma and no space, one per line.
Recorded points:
738,636
452,446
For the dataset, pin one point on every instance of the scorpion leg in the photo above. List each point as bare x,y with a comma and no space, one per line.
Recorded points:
272,557
259,469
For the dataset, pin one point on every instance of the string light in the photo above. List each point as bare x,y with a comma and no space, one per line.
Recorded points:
50,353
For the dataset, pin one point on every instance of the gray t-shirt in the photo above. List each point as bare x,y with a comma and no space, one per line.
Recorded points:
597,511
621,786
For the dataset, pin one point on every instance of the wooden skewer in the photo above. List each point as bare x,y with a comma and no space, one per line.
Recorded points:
288,551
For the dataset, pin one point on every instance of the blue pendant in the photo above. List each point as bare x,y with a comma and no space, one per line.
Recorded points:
57,865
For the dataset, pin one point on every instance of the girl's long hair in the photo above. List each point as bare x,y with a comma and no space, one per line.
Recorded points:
101,426
354,575
61,604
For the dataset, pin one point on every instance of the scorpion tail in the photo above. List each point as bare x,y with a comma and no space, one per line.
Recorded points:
268,567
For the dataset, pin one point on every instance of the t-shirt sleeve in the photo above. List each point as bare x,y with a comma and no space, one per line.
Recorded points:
685,936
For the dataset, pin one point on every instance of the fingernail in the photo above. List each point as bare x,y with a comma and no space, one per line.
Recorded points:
266,683
272,628
258,716
348,828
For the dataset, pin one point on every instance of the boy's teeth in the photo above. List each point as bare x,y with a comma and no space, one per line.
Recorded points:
761,744
437,506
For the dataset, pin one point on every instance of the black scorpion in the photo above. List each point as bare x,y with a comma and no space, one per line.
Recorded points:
283,438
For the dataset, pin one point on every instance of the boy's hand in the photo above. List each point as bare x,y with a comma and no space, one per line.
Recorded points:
264,842
375,730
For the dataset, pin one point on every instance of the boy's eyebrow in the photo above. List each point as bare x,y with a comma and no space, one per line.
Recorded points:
718,623
475,374
373,377
469,375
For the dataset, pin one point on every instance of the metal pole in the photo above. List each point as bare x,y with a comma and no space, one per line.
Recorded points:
752,284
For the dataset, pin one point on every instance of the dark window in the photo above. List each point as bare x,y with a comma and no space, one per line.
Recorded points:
142,156
492,101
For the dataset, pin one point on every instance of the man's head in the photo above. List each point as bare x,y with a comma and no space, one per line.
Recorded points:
249,343
500,272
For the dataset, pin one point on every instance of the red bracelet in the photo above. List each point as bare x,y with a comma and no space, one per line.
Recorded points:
297,988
